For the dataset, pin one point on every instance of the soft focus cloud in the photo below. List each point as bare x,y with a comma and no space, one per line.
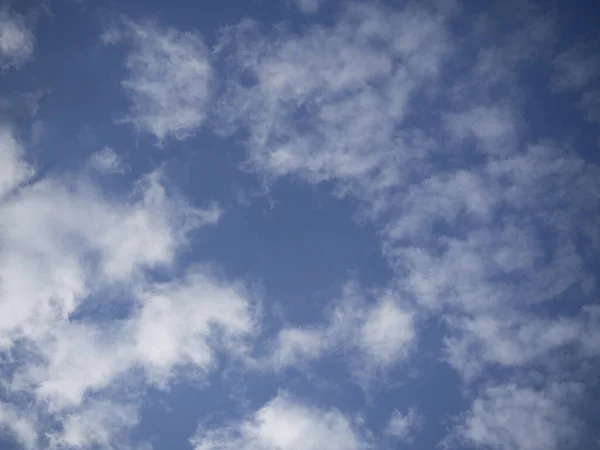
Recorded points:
402,426
17,40
65,245
13,170
484,222
310,110
444,129
168,78
285,423
577,70
520,418
308,6
383,334
107,161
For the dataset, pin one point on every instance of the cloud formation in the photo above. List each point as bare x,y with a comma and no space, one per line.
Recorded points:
17,40
382,333
515,418
285,424
67,249
425,118
169,77
483,222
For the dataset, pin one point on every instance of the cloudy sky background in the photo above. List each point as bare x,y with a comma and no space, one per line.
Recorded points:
299,225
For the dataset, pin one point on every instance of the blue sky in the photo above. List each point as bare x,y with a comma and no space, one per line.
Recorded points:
299,225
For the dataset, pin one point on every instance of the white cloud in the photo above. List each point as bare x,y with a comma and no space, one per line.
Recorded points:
16,40
107,161
484,221
387,334
57,234
402,426
519,341
383,333
168,81
311,111
295,346
177,324
102,425
510,417
493,127
19,426
13,170
480,222
285,424
65,247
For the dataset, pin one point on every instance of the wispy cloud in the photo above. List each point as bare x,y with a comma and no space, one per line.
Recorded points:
383,333
169,77
420,113
483,222
312,111
403,426
577,70
17,40
520,418
308,6
107,161
14,170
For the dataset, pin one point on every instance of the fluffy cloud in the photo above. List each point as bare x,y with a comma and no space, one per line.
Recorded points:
484,222
285,424
102,425
519,341
312,111
16,39
67,249
510,417
383,333
168,79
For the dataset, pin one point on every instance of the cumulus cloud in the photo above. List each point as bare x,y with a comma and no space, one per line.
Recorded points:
510,417
487,224
168,78
484,222
311,111
16,39
382,332
65,246
285,423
